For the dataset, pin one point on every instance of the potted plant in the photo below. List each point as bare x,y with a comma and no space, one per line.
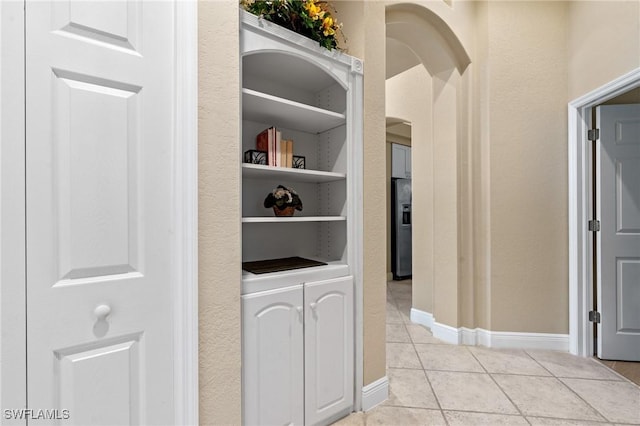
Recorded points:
284,201
311,18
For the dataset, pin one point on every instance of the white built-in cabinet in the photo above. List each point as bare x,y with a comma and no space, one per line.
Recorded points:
298,353
299,325
400,161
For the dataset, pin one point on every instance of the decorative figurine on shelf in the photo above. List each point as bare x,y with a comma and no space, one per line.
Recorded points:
285,201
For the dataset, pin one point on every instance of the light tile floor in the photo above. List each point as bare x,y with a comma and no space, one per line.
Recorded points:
434,383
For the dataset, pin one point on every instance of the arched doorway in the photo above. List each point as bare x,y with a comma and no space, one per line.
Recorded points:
427,85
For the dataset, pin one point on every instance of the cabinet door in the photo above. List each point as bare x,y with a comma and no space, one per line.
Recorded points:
273,382
407,162
328,349
398,161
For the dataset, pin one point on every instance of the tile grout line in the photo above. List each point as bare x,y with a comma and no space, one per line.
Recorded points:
498,385
395,303
424,373
559,379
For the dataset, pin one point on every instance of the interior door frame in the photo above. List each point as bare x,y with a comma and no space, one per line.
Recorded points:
13,368
580,209
13,355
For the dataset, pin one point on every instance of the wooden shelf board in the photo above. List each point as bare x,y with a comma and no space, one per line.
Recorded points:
262,107
257,171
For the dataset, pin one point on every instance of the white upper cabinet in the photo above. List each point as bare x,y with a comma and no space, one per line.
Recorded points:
400,161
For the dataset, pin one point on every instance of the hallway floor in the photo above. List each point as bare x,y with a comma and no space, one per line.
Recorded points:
434,383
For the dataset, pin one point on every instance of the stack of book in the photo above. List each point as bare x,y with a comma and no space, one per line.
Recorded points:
279,151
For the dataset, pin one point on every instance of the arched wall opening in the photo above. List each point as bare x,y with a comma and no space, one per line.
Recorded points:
434,96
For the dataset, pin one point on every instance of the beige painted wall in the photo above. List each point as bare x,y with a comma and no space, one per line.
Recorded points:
409,96
364,29
219,225
527,81
366,40
605,48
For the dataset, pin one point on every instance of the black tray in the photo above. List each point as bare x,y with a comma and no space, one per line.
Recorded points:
278,265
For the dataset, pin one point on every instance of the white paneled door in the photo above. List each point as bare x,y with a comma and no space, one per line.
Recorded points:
618,205
99,129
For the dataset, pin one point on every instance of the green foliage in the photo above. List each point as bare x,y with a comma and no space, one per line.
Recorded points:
311,18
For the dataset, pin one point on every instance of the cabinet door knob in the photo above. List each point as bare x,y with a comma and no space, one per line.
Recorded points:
102,312
313,305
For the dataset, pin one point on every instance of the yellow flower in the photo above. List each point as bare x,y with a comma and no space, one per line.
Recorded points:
327,26
314,11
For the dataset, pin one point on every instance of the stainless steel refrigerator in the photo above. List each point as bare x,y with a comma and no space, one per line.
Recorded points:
401,228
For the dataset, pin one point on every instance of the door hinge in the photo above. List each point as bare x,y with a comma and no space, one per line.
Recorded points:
594,316
593,134
594,225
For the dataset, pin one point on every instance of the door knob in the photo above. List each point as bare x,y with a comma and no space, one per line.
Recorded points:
102,312
313,305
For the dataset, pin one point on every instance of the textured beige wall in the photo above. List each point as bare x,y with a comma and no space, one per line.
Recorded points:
375,216
445,199
481,182
364,29
409,96
604,43
527,56
219,227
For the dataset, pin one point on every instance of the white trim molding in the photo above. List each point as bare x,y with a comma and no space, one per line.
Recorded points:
422,318
185,215
500,339
375,393
579,166
490,339
13,333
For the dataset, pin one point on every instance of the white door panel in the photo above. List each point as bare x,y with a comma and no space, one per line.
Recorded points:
618,205
99,134
114,401
328,349
273,357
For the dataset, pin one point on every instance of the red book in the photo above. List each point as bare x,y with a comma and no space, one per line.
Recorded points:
262,141
266,141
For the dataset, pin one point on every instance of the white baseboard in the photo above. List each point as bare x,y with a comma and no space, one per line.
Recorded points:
375,393
554,342
422,318
491,339
446,333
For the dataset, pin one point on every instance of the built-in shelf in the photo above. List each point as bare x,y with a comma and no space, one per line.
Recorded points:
275,219
260,282
265,108
257,171
314,97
